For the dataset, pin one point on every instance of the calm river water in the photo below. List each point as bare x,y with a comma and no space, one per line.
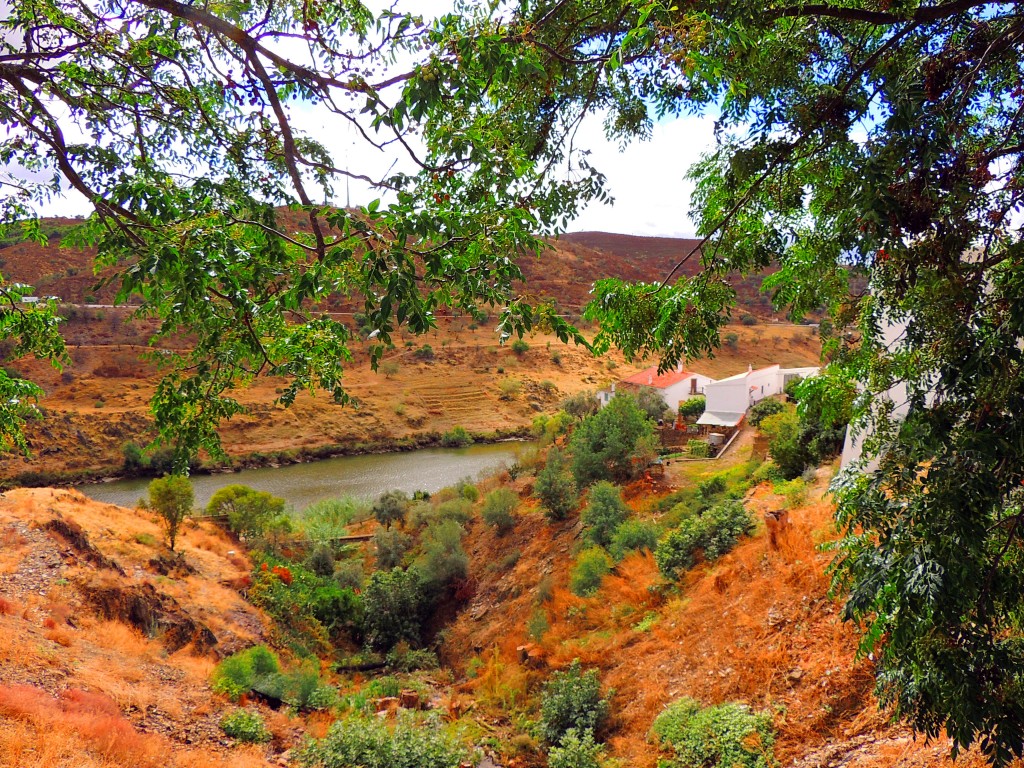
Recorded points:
427,469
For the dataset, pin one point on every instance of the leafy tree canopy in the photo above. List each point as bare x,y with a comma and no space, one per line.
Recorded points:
176,120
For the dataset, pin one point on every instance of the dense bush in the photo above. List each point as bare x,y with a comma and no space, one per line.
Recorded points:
576,751
698,449
633,535
650,401
321,561
467,490
571,699
236,675
616,443
725,735
713,486
443,559
249,512
390,507
370,742
555,487
396,605
792,388
509,388
426,352
580,405
329,518
499,509
591,567
748,319
604,512
713,532
426,514
763,409
390,548
171,498
245,725
456,437
301,688
309,611
693,408
520,347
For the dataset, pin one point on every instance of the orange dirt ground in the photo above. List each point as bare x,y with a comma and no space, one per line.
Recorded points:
755,627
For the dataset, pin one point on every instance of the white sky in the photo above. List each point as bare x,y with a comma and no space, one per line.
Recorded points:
646,179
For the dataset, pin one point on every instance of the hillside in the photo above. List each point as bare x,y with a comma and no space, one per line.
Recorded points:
82,585
107,644
101,402
566,271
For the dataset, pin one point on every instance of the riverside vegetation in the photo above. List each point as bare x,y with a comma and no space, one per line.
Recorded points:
385,609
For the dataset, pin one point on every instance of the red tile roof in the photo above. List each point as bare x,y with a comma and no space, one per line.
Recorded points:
651,378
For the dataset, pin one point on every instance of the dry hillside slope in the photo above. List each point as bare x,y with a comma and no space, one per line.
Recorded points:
107,642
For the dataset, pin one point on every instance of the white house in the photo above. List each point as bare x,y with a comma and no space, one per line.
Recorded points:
674,386
728,399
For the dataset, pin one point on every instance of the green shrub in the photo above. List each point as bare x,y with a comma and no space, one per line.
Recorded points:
509,388
134,458
616,443
555,487
456,437
693,408
171,498
604,512
369,741
748,319
499,510
301,688
422,515
576,751
245,725
349,574
713,532
249,512
537,625
571,700
390,507
390,548
395,604
591,567
443,559
519,347
698,449
402,658
732,340
633,535
236,675
763,409
794,490
426,352
713,486
467,490
580,405
766,473
727,735
321,561
310,611
329,518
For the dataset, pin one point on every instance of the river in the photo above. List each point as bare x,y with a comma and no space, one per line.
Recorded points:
365,477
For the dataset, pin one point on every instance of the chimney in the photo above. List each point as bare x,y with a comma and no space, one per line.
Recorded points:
679,367
650,379
750,368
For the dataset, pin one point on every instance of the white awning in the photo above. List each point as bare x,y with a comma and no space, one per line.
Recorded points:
720,418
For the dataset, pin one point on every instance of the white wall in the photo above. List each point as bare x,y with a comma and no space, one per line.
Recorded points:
683,390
